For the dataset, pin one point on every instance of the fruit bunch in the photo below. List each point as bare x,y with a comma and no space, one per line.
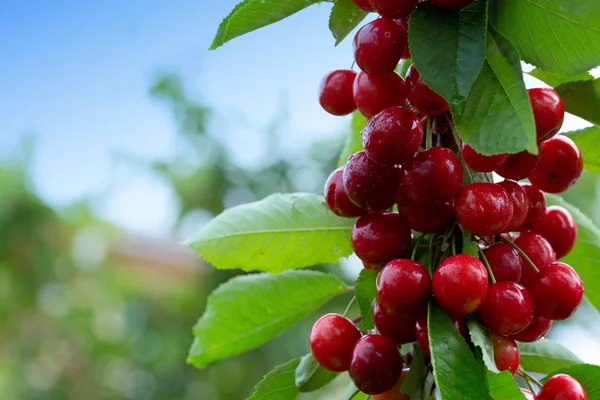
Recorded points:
435,224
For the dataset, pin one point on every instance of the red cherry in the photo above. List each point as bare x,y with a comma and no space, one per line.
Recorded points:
536,330
558,227
451,3
395,9
337,199
528,395
369,184
393,136
536,208
332,339
395,393
560,167
403,288
479,162
335,92
548,111
562,387
557,291
364,5
505,262
379,45
373,267
379,238
422,97
484,209
507,308
460,284
400,330
539,252
506,353
433,175
519,166
520,204
422,332
376,364
427,217
373,94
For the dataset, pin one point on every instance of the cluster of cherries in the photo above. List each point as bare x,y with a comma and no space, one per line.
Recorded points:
407,189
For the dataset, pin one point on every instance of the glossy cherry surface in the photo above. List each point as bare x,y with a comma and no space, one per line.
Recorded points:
520,204
375,93
536,206
536,330
505,262
519,166
337,199
558,227
422,332
376,364
538,250
507,308
335,92
400,330
528,394
422,97
427,217
480,163
557,291
403,288
381,237
379,45
364,5
484,209
506,353
395,9
562,387
548,111
560,167
332,339
451,3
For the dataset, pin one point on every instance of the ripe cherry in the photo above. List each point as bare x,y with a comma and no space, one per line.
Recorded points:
505,262
460,283
422,332
520,204
373,267
403,288
376,364
400,330
427,217
548,111
332,339
538,250
375,93
335,92
425,100
393,136
395,9
506,353
379,238
536,208
337,199
395,393
560,167
519,166
528,394
562,387
369,184
557,291
451,3
433,175
379,45
480,163
364,5
536,330
558,227
484,209
507,308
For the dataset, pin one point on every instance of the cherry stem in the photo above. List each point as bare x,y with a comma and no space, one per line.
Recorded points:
487,264
354,394
415,246
457,141
531,387
453,245
521,252
349,306
528,377
429,134
430,252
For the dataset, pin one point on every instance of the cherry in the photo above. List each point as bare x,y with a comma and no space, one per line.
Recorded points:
507,308
536,208
332,339
505,262
403,288
484,209
335,92
373,267
518,166
558,227
379,45
557,291
400,330
364,5
536,330
369,184
373,94
376,364
460,283
395,393
451,3
393,136
506,353
427,217
560,167
562,387
422,332
433,175
548,111
379,238
520,204
395,9
337,199
480,163
538,250
425,100
528,394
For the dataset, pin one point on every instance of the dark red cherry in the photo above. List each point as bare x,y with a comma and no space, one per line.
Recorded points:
373,267
505,262
364,5
528,394
395,9
379,45
403,288
427,217
425,100
519,166
393,136
369,184
562,387
375,93
337,199
536,330
557,291
548,111
376,364
335,92
395,393
433,175
560,167
537,206
422,332
332,339
460,283
507,308
558,227
451,3
520,204
484,209
400,330
538,250
379,238
480,163
506,353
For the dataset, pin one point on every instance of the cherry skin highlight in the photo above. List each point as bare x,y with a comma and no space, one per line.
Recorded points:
484,209
506,353
399,330
380,238
480,163
507,308
376,364
425,100
332,339
538,250
536,330
337,199
558,227
561,387
379,45
528,395
548,111
520,204
505,262
335,92
560,167
375,93
519,166
403,288
557,291
536,206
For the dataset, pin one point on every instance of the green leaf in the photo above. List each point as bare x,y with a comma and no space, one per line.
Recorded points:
278,384
310,376
352,393
250,15
413,383
503,387
448,48
247,311
480,336
555,79
551,34
469,246
354,142
587,375
280,232
544,356
582,98
345,16
365,292
587,140
456,371
497,116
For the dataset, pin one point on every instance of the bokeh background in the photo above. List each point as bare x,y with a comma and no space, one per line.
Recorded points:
120,136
